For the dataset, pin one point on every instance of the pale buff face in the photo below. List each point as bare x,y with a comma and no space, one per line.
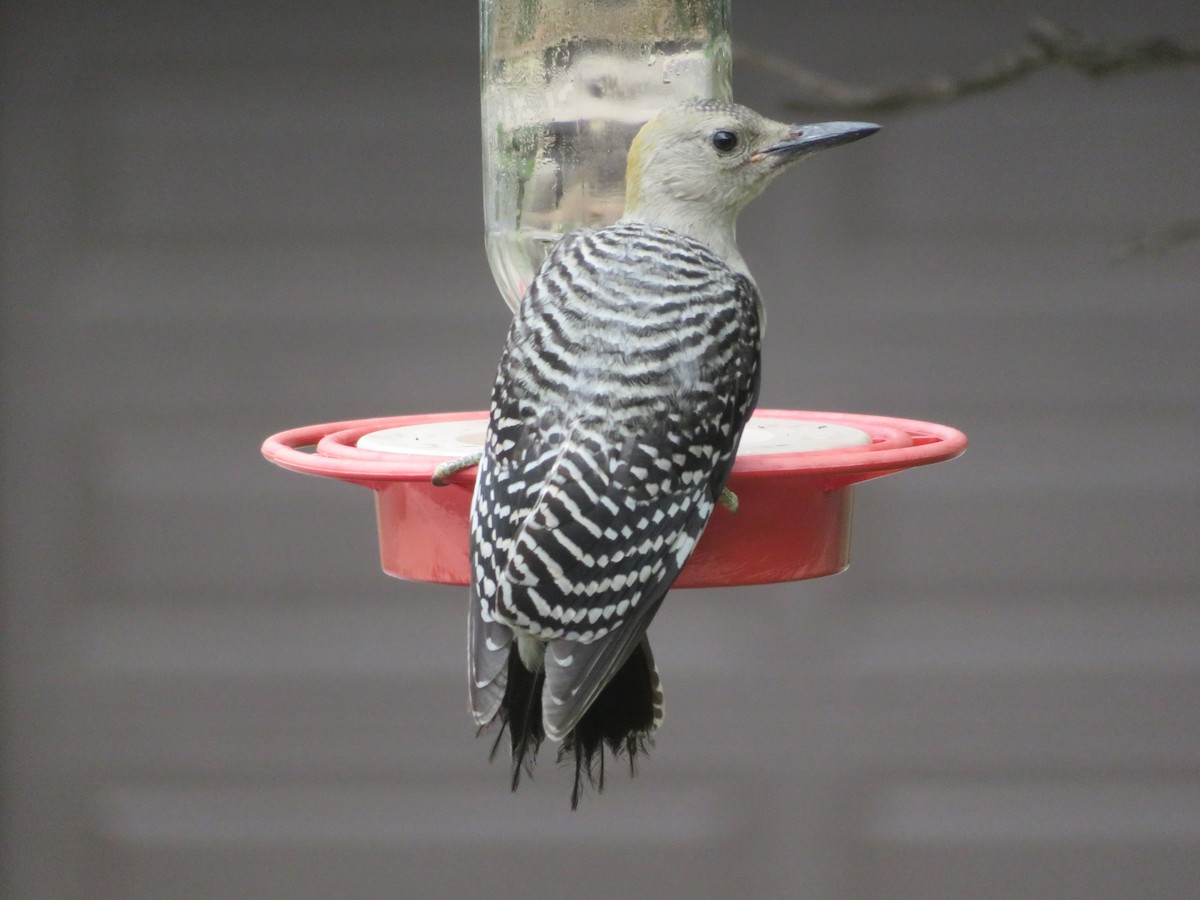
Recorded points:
694,166
703,159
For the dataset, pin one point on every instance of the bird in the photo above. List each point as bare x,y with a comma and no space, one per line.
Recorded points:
628,373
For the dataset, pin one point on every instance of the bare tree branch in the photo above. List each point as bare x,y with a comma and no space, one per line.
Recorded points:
1046,45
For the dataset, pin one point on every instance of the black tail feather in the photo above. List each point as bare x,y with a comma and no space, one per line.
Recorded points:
521,713
621,719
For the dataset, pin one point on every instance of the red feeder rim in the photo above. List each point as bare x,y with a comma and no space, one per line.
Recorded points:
793,521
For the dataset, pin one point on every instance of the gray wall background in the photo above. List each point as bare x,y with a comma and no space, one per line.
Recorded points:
225,219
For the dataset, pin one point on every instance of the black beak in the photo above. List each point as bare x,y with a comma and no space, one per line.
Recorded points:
806,139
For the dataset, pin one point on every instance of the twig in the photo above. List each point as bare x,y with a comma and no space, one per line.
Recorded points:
1155,241
1046,45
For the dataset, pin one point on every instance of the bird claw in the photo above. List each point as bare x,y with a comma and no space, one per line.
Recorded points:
441,475
728,499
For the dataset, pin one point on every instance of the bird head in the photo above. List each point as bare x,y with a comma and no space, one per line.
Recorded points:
695,165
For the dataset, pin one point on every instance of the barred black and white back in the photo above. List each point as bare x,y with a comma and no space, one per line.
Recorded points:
627,377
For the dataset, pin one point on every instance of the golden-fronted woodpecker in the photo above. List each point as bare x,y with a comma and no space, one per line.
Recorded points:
629,371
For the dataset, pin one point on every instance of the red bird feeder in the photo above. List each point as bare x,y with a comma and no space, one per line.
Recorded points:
793,476
563,95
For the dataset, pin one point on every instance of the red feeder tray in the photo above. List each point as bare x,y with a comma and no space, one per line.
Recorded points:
793,521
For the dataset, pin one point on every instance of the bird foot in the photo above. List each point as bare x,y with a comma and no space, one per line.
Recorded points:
728,499
442,473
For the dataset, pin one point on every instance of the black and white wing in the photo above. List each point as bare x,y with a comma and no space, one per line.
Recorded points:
627,377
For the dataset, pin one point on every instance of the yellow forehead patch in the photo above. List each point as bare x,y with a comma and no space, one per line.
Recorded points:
634,164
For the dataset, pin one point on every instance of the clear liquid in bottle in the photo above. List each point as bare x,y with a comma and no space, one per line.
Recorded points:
566,84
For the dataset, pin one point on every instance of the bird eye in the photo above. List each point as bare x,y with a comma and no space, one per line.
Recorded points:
725,141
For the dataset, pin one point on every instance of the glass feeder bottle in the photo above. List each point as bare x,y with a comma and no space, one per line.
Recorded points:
565,86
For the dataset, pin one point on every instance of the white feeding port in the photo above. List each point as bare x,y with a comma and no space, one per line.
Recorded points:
762,436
